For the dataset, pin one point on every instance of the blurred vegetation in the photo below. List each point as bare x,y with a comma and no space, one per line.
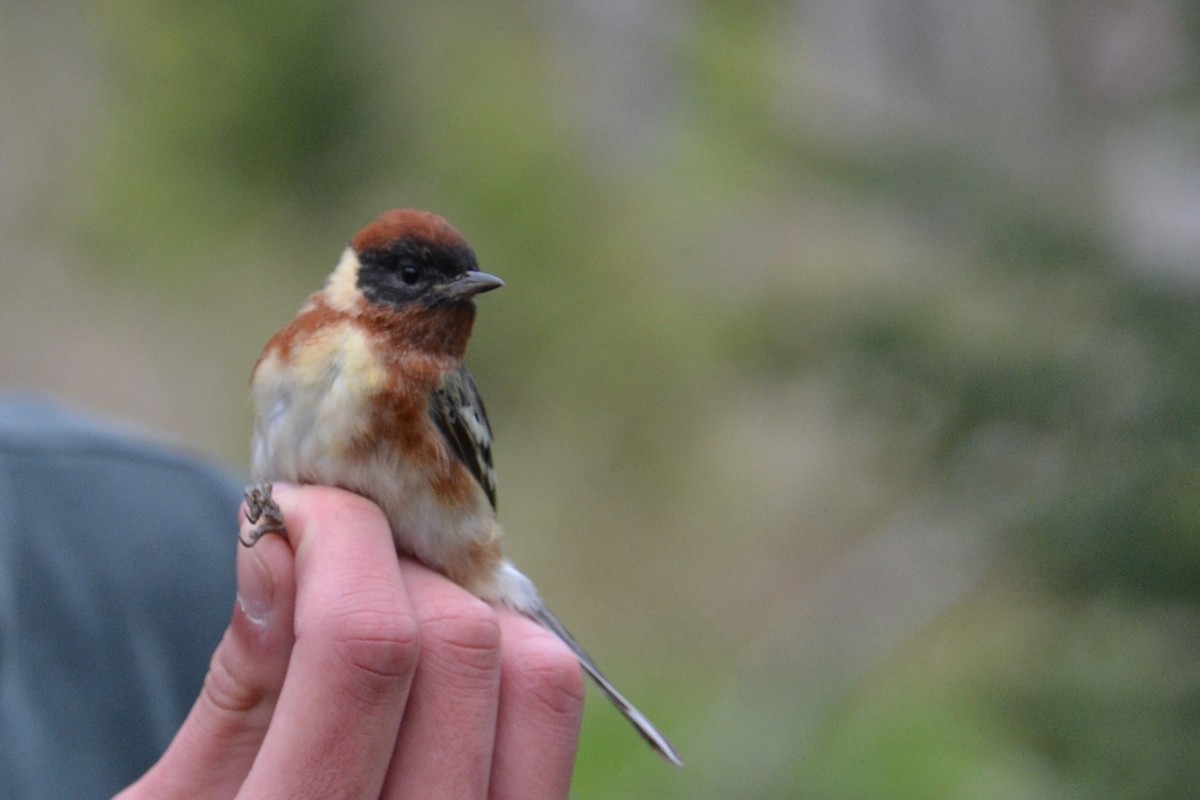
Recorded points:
845,385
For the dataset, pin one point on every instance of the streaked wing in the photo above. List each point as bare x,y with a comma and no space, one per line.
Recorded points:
458,410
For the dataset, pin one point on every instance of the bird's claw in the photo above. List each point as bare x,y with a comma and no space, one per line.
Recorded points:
263,513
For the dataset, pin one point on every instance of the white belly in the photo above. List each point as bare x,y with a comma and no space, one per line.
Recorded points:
307,421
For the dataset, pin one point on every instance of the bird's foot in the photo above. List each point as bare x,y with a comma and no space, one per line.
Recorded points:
263,513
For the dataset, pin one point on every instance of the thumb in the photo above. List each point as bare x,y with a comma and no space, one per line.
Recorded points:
213,751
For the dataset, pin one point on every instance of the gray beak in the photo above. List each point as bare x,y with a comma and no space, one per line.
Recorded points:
472,283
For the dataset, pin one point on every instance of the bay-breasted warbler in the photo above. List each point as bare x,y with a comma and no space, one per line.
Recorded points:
365,389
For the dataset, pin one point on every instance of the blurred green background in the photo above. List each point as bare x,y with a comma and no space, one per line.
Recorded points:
847,379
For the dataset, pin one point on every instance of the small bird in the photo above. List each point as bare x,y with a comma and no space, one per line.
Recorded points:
365,389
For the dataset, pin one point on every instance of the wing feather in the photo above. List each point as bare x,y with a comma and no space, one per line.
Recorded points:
457,410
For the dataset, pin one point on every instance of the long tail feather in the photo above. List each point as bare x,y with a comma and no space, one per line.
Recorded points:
645,727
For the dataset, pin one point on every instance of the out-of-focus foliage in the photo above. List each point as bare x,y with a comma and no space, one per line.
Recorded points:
845,383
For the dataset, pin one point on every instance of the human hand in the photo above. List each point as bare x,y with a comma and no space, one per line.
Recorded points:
346,672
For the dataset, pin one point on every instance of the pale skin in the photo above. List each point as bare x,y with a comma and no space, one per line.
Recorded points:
349,673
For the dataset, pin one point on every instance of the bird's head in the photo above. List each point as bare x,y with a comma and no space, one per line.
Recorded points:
406,258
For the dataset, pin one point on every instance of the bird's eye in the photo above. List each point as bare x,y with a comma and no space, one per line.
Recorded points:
410,275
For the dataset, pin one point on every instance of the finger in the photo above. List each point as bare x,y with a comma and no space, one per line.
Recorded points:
356,649
214,749
445,743
541,708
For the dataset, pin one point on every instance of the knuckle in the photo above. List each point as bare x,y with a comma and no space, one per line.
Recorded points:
464,632
550,673
228,688
378,645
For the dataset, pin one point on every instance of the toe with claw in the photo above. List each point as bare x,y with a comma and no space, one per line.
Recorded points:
263,513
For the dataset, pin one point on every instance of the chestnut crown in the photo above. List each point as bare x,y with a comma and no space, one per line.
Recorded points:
407,256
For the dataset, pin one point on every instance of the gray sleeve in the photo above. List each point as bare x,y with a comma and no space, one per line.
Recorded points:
116,583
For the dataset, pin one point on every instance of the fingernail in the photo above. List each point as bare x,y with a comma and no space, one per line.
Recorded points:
255,587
